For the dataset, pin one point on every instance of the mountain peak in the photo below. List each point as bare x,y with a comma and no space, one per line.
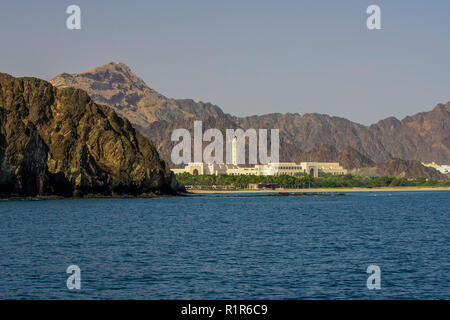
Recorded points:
111,66
115,85
442,107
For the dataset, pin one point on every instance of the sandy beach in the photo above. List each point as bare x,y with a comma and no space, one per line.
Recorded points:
329,190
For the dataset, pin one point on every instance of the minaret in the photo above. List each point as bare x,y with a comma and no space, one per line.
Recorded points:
235,161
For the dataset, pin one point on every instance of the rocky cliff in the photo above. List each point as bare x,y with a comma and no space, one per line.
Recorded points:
59,142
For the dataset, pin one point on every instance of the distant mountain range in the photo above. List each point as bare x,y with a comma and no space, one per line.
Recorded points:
423,137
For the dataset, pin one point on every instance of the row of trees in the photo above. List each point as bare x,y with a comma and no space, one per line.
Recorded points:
306,181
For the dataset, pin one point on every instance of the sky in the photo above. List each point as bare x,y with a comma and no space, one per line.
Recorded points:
247,56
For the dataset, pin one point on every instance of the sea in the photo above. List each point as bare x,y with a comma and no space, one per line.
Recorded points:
228,246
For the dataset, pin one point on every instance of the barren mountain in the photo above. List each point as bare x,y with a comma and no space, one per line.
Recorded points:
423,137
59,142
114,85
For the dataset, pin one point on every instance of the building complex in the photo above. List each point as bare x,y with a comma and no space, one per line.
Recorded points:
270,169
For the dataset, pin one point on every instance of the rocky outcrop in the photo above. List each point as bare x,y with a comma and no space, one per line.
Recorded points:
59,142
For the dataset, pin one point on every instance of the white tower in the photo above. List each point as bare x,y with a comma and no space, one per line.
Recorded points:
235,159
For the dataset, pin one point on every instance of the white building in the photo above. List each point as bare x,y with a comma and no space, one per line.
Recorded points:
333,168
270,169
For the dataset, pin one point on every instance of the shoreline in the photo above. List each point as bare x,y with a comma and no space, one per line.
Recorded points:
57,197
197,191
315,190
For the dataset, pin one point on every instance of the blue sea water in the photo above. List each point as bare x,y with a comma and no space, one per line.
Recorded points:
216,247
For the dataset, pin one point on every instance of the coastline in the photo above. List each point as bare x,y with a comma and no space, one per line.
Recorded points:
315,190
57,197
182,194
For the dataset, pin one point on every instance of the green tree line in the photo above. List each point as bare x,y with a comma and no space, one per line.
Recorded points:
306,181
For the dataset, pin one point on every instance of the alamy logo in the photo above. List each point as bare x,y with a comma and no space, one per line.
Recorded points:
74,280
374,280
374,20
235,146
74,20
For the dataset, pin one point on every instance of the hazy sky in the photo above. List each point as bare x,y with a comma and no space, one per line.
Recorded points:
248,57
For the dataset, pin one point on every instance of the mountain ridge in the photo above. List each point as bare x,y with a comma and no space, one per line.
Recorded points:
423,136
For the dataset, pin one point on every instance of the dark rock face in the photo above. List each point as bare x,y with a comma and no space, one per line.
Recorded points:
424,137
58,142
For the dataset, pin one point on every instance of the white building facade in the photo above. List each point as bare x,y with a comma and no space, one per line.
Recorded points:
270,169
